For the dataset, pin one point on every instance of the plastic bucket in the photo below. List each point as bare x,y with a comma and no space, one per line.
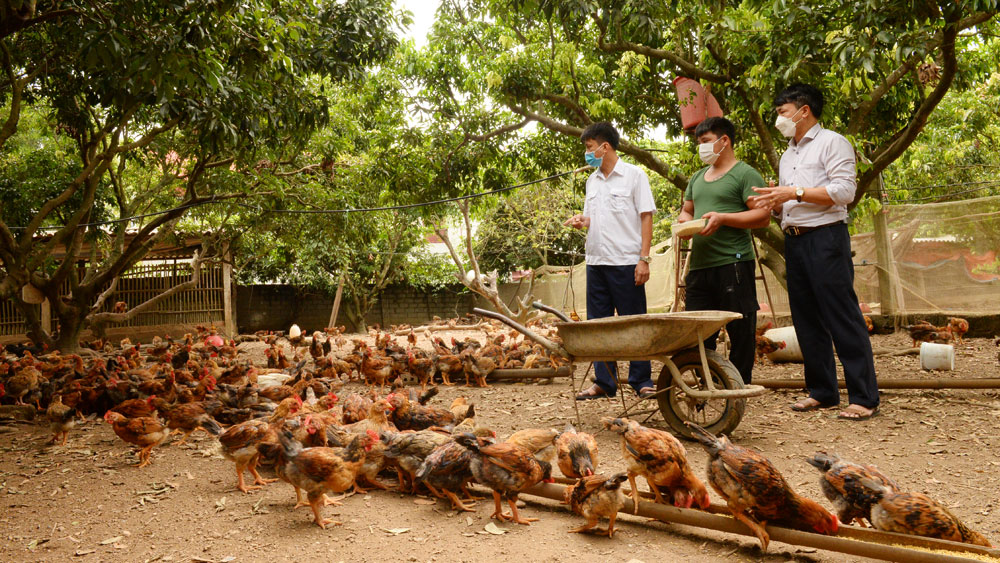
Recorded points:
937,356
696,104
791,352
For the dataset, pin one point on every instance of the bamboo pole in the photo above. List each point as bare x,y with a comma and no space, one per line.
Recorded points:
336,302
975,383
534,373
846,541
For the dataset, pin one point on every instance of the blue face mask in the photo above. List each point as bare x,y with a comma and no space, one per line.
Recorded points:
592,160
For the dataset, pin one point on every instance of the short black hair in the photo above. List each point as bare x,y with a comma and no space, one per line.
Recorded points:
602,132
718,125
802,95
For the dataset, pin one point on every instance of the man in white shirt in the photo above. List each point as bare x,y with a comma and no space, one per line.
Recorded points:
618,216
817,178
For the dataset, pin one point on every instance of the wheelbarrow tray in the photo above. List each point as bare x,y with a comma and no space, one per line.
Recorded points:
638,336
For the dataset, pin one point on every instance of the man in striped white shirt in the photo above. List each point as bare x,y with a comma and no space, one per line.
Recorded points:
817,178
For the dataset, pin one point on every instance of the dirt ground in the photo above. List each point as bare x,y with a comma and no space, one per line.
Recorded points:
87,502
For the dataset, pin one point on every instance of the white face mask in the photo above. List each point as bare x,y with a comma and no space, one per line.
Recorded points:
707,154
785,125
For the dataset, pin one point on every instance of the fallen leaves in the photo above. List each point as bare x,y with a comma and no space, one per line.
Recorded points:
492,528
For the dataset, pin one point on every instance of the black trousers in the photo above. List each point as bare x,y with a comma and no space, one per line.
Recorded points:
731,287
826,315
611,289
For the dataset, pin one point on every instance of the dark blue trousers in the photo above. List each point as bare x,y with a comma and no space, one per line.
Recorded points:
826,315
612,289
732,287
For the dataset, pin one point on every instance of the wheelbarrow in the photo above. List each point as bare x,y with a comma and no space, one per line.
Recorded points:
695,384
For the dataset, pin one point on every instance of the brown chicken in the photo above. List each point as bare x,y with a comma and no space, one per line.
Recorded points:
355,407
958,327
186,418
374,463
447,470
421,368
594,497
412,416
923,331
136,408
240,441
406,451
841,487
322,470
755,491
539,441
375,370
239,445
508,469
661,459
917,514
449,365
462,409
576,453
144,432
25,379
61,419
479,365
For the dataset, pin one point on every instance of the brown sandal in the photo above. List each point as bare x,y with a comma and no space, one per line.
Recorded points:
593,392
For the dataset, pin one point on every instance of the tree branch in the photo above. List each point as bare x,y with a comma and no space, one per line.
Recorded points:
103,318
642,156
685,66
571,105
890,152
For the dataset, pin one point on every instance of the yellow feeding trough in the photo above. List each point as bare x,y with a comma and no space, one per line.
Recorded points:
687,228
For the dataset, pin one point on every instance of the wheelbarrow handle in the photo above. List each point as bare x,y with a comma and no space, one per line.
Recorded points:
548,344
543,307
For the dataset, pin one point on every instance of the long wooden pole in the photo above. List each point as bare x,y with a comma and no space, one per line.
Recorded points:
846,541
975,383
336,302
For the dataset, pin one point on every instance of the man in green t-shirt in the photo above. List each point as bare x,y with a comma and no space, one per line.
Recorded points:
721,274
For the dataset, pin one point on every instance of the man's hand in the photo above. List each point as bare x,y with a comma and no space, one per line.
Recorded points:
713,220
578,221
641,273
771,197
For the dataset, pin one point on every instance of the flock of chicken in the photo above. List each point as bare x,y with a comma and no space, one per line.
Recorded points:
293,419
923,331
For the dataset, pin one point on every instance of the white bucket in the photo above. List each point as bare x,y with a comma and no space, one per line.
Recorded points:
937,356
791,352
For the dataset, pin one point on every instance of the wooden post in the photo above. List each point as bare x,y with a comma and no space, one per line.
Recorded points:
336,302
888,278
47,317
227,294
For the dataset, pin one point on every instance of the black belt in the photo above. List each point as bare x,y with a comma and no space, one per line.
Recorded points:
796,231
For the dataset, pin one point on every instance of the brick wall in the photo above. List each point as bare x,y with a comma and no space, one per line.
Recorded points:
277,307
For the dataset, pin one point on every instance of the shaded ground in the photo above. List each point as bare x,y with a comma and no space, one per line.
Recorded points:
85,502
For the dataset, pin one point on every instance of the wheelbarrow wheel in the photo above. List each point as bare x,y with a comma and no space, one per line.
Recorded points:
718,416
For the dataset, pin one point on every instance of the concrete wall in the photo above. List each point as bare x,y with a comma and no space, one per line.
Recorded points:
277,307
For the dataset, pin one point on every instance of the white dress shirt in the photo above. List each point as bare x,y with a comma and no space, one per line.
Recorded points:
614,203
822,158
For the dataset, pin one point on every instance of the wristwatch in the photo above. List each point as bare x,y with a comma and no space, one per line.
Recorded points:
799,192
646,259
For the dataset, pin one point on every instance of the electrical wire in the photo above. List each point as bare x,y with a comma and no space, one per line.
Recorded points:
315,211
992,185
935,186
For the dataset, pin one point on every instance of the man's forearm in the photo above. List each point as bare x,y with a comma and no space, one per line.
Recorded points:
647,233
750,219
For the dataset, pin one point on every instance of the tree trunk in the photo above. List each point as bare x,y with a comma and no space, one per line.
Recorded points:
71,324
33,324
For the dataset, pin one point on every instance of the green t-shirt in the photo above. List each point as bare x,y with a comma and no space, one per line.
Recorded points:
727,194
